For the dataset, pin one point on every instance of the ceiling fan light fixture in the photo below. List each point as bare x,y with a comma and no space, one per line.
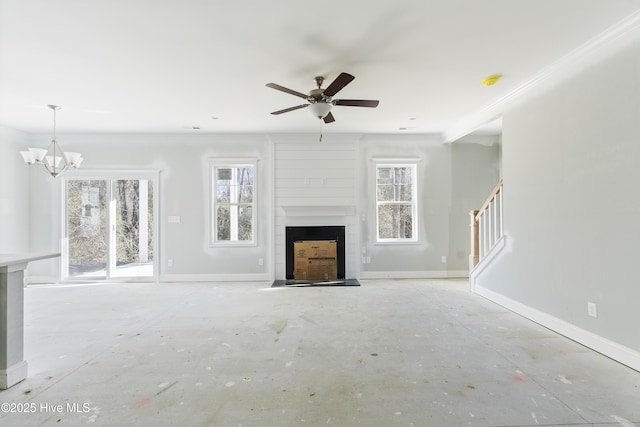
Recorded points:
320,109
320,101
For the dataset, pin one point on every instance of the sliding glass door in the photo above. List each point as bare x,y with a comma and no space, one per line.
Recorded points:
110,227
132,225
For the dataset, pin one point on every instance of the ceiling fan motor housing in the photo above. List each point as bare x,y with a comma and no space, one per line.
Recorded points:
317,95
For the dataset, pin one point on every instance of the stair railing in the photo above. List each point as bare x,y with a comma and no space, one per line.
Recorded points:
486,226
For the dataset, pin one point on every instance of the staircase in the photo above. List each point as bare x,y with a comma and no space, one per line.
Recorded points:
486,229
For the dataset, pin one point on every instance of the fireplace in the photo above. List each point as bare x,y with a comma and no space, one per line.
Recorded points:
297,235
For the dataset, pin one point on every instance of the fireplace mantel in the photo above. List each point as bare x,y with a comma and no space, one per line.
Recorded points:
323,211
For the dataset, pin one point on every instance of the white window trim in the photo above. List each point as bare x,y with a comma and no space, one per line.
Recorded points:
415,208
232,163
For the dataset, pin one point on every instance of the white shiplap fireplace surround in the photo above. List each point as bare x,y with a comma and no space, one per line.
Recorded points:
319,216
316,184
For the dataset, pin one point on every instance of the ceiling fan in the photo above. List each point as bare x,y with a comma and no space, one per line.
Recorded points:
320,100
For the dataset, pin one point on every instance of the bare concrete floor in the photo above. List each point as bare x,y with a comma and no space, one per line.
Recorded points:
387,353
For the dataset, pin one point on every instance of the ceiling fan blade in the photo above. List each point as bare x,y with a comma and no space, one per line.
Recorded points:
286,90
286,110
329,118
357,102
341,81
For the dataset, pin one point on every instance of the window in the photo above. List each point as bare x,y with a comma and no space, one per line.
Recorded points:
396,204
233,198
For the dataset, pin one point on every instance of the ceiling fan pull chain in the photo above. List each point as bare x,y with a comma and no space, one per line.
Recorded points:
321,129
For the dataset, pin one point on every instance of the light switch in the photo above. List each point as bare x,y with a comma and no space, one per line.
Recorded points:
175,219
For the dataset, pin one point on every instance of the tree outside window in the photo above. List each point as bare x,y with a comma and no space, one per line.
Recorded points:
233,204
396,203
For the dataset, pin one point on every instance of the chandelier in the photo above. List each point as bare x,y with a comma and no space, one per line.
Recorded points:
54,160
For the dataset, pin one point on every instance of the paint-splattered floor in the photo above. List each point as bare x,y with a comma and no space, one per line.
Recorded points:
387,353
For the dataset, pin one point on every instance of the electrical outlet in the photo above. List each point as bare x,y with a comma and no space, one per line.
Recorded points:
368,260
592,309
444,259
170,263
260,261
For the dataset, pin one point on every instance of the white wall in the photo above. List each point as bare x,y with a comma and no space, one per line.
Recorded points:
475,171
184,184
340,172
452,180
14,192
571,157
294,171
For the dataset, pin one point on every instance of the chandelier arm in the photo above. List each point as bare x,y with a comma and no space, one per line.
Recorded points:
54,173
57,152
62,154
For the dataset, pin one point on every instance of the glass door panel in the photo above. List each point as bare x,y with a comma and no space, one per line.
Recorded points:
87,228
133,219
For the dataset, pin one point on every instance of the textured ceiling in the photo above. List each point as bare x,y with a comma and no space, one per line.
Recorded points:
171,65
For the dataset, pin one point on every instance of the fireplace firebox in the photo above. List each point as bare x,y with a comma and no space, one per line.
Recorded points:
314,233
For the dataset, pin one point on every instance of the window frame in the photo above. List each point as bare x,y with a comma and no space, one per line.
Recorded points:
391,163
214,166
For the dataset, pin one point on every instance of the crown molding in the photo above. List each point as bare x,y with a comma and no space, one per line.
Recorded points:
595,50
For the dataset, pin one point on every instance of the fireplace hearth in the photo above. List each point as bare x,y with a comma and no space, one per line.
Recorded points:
314,283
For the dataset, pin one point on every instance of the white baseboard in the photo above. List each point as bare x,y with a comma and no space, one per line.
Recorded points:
486,260
250,277
436,274
13,375
615,351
